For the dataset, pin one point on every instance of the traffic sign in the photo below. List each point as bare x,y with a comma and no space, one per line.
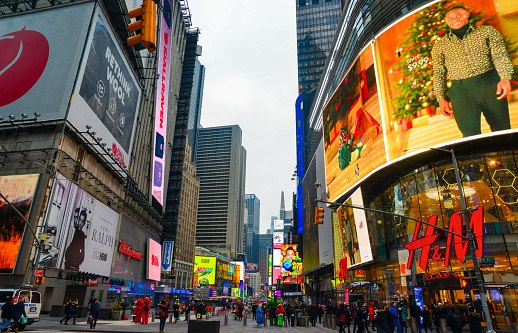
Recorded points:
38,272
468,257
486,259
486,264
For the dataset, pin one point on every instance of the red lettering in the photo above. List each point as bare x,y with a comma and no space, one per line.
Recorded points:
476,224
127,250
342,272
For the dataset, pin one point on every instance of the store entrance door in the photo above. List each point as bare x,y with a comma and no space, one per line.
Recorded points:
75,292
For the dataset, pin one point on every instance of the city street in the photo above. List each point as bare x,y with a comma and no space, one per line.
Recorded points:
51,324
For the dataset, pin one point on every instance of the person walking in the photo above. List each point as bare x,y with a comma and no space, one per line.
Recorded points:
280,315
372,316
18,312
427,321
395,318
176,310
7,312
455,321
187,310
259,316
404,317
474,321
254,308
415,312
94,313
320,313
384,321
341,318
163,313
73,311
348,318
361,318
68,307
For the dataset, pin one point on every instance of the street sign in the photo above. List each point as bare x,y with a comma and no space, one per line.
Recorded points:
468,257
486,259
486,264
38,272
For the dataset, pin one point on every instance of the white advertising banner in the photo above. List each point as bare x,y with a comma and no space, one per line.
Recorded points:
162,94
85,230
361,227
278,239
278,224
107,94
276,257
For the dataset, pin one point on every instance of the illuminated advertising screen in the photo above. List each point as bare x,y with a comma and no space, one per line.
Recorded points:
429,92
223,271
353,136
276,274
161,109
252,267
154,255
107,94
236,293
278,225
291,263
278,239
277,257
270,264
19,190
85,230
360,222
205,269
40,62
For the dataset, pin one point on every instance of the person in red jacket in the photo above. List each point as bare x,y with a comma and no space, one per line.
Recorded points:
138,311
145,311
372,316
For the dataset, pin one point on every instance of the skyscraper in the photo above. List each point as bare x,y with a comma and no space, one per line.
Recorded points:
221,166
265,248
253,204
316,25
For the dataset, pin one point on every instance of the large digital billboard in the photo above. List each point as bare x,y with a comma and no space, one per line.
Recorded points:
205,269
85,230
161,108
291,263
154,260
19,190
278,239
445,73
439,85
107,94
39,62
353,138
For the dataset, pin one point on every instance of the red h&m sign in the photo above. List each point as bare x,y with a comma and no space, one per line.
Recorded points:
342,271
460,244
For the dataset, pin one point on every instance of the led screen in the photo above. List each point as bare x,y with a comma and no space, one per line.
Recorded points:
205,269
154,260
277,257
353,138
19,190
291,263
421,65
278,239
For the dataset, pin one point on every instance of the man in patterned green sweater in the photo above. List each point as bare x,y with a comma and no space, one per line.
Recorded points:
476,61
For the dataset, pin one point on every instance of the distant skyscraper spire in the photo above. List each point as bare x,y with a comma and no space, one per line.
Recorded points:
282,213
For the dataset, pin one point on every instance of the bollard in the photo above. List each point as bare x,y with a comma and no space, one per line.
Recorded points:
443,324
413,324
207,316
265,322
226,318
188,318
152,317
244,320
170,318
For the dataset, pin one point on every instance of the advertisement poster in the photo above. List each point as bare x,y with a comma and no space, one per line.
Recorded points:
39,62
348,236
362,231
311,244
167,256
205,269
252,267
162,97
154,255
422,64
278,225
353,137
276,274
107,95
278,239
277,257
85,230
19,190
291,263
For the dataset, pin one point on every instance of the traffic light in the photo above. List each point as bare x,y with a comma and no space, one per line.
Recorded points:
319,215
144,26
39,280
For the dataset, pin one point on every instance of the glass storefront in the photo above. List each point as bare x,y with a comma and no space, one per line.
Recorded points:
489,181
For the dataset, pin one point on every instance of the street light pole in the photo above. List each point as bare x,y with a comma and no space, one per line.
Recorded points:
472,246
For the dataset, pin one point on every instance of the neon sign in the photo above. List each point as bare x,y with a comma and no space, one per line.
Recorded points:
342,271
127,250
460,245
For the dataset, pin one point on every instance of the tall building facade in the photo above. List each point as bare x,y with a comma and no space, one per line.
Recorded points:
221,168
316,25
265,249
183,188
253,205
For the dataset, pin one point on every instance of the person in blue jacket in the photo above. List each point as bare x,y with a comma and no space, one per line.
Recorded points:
94,312
259,316
395,318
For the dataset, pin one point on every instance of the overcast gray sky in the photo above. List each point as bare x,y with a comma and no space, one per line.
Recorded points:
250,55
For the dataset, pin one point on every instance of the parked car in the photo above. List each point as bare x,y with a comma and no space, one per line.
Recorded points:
33,303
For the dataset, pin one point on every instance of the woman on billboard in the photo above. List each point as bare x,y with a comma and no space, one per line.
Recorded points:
477,62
